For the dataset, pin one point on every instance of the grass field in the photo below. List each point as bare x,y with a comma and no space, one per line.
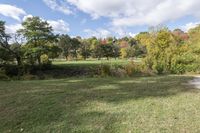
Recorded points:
93,62
101,105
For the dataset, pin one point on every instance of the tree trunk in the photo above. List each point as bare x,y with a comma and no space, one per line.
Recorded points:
19,61
39,60
19,67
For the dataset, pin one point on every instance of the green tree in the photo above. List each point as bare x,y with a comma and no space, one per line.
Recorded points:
116,51
64,42
107,50
98,51
94,46
8,50
38,34
75,45
135,49
85,49
54,51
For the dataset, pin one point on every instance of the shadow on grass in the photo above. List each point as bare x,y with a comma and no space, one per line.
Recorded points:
79,105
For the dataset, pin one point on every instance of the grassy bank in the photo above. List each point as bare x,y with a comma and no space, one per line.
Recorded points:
143,104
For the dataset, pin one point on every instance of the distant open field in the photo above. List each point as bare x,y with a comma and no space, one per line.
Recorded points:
106,105
93,62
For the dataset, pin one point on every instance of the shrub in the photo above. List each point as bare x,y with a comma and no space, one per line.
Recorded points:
178,69
29,77
45,59
118,72
194,67
184,63
11,70
158,68
105,70
4,77
132,68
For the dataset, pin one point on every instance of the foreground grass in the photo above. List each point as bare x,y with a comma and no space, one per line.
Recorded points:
144,104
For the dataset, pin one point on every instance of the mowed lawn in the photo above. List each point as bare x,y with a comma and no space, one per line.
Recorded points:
100,105
94,62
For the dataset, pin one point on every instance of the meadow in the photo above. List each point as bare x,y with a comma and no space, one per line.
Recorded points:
93,62
111,105
125,70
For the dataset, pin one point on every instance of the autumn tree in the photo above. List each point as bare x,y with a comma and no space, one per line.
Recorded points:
159,52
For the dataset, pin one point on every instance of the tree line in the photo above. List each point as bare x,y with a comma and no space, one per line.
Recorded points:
162,50
36,41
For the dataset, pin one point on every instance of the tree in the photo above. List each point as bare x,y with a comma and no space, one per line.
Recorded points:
98,51
5,56
160,52
75,44
135,48
107,50
85,49
65,44
38,34
116,51
10,50
54,51
180,36
94,46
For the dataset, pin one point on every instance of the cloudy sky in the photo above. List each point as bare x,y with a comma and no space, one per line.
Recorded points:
102,18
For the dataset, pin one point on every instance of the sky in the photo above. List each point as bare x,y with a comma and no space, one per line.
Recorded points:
102,18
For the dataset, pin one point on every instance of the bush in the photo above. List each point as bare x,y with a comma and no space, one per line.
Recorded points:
11,70
30,77
194,67
118,72
105,70
114,71
132,69
45,59
158,68
184,63
4,77
178,69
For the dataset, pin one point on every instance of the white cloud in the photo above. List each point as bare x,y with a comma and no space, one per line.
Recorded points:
132,34
99,33
138,12
11,11
57,5
12,28
189,26
59,26
27,16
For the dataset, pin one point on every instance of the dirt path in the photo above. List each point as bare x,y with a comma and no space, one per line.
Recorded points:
195,82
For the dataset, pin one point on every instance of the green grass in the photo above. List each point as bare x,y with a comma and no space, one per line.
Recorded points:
92,62
100,105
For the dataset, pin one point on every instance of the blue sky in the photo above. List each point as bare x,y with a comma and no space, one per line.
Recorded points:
102,18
